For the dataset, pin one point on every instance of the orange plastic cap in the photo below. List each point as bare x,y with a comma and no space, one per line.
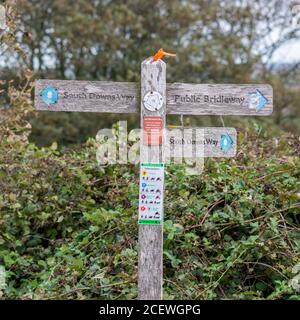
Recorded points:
161,53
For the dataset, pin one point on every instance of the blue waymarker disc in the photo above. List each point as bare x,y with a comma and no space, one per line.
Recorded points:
226,142
257,100
49,95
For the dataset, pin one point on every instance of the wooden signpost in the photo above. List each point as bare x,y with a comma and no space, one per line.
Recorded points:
181,98
157,99
201,142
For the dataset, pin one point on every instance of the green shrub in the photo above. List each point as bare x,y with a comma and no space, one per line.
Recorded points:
68,228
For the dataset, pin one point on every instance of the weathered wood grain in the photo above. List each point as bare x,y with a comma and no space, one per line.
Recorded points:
186,98
199,142
182,98
153,78
89,96
3,25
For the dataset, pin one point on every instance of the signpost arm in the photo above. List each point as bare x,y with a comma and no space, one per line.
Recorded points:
150,268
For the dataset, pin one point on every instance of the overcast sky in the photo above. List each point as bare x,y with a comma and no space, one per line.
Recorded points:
288,53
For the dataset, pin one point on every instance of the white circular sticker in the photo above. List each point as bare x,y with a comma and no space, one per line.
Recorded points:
153,101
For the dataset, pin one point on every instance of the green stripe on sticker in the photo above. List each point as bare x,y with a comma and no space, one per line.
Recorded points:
146,221
152,164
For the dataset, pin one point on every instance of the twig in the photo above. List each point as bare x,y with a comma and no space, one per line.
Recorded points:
88,288
267,266
297,205
206,214
271,174
216,283
177,286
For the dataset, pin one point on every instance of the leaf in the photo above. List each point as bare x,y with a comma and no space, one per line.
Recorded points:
77,264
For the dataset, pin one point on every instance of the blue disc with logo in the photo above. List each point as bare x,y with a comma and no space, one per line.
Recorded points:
226,142
144,185
49,95
257,100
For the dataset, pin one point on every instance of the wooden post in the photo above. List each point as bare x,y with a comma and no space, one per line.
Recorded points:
181,98
150,269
